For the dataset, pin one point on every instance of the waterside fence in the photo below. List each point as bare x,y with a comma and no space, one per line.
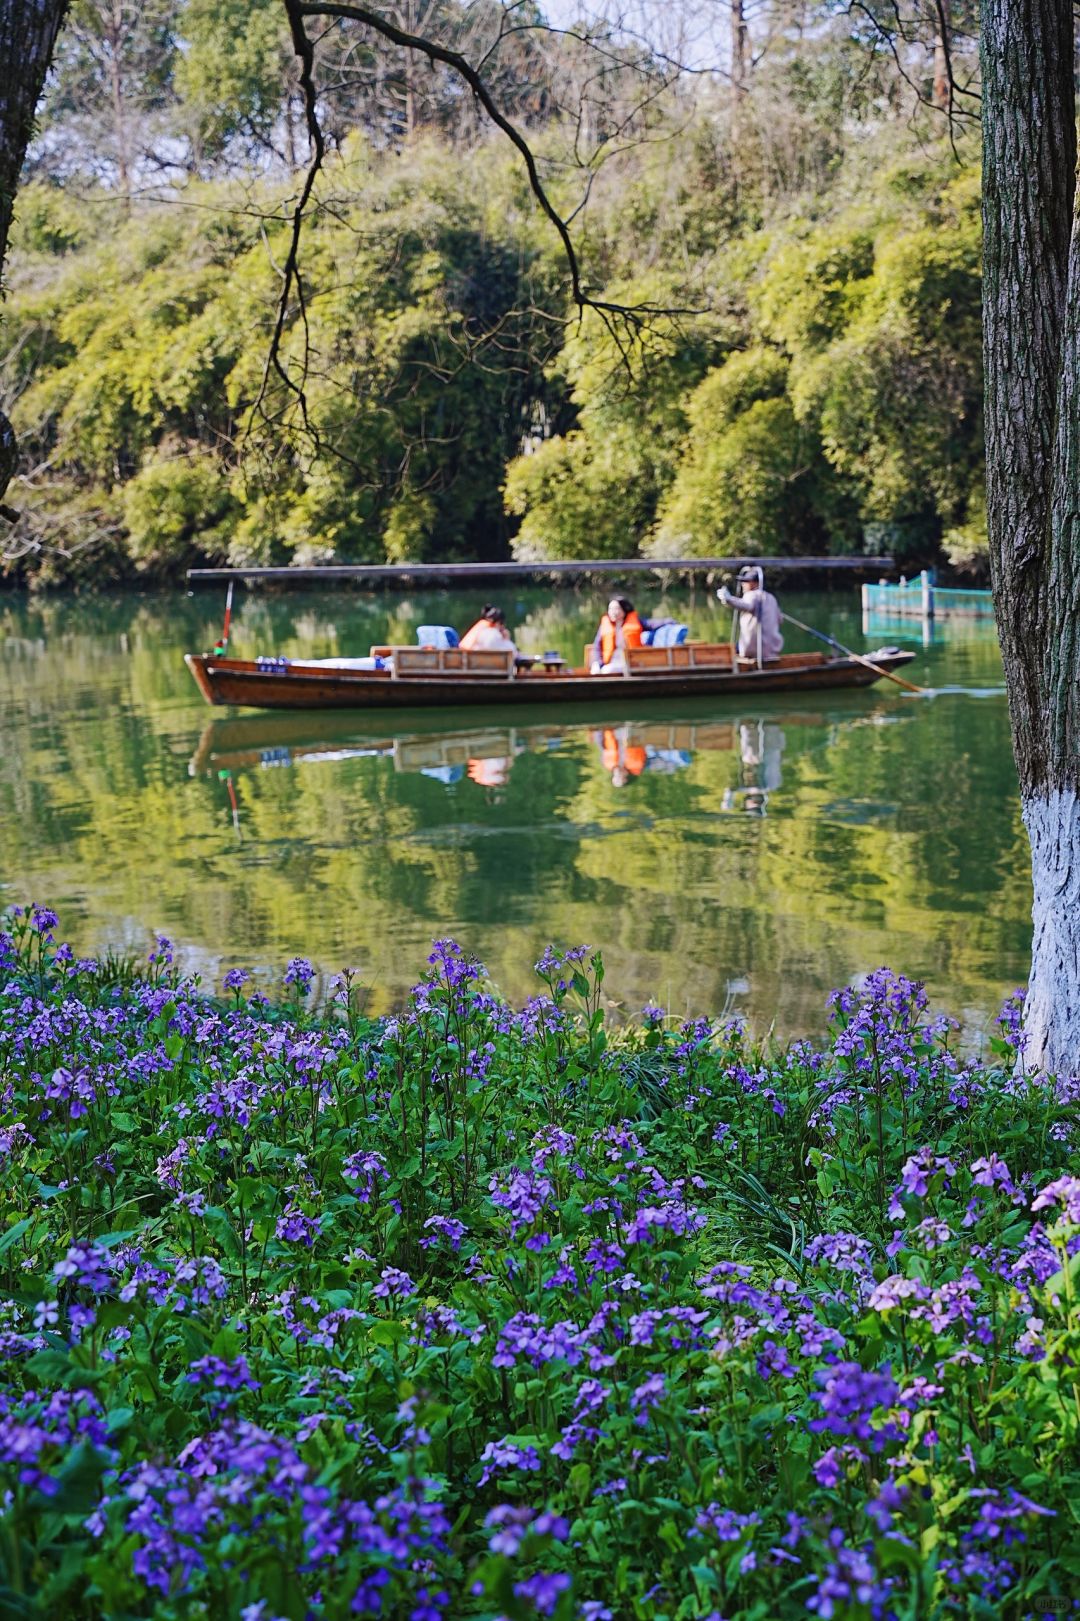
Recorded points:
922,599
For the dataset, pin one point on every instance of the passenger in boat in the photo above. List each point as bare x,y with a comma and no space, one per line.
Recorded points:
491,772
758,609
619,629
489,634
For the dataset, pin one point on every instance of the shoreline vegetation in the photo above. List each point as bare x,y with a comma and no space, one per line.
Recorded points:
477,1311
819,393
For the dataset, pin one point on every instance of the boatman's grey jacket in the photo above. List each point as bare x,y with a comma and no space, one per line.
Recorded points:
756,606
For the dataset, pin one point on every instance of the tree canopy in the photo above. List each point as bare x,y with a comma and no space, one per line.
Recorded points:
807,377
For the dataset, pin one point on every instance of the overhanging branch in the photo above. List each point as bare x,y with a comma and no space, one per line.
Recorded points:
301,10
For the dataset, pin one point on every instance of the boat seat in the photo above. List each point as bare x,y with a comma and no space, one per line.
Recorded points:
435,663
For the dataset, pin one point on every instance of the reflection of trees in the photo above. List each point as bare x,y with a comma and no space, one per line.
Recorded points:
894,841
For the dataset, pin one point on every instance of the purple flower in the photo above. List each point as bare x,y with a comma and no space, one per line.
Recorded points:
921,1168
647,1396
1010,1020
90,1266
300,973
524,1194
510,1523
723,1523
848,1580
849,1398
295,1227
500,1455
366,1170
544,1590
991,1172
223,1375
444,1227
1065,1195
394,1283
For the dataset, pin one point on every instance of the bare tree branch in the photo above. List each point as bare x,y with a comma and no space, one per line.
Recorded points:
299,10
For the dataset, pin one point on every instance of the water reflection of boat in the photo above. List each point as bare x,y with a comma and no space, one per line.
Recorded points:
485,754
447,756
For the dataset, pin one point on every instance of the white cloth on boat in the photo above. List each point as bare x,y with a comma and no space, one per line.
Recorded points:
345,664
757,607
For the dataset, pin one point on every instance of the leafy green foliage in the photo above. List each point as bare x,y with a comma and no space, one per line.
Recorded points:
233,75
147,352
799,370
850,405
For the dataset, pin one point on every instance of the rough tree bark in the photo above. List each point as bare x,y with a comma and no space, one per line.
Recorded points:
740,45
941,95
1032,352
28,30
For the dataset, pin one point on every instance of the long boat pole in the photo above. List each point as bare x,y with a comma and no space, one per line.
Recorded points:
858,657
223,645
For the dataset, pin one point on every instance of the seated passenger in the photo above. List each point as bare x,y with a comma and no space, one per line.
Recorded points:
619,629
488,635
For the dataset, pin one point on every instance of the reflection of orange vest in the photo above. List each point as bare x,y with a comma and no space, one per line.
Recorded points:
633,756
490,773
631,630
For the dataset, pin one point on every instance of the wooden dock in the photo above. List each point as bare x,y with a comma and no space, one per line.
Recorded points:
414,574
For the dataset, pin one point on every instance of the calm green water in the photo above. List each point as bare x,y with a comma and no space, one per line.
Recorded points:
722,853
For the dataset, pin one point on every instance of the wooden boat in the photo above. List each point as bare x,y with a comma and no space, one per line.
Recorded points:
422,677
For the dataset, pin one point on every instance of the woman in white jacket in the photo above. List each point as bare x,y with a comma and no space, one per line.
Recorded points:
488,635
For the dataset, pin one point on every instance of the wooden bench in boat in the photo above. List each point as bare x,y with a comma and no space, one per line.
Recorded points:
435,663
703,656
686,656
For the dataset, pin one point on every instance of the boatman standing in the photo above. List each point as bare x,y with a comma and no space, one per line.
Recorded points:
759,616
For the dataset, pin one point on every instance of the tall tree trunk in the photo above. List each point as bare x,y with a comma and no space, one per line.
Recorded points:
410,83
114,35
1032,353
740,45
942,91
28,30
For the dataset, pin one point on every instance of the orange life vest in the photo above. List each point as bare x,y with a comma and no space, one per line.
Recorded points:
631,632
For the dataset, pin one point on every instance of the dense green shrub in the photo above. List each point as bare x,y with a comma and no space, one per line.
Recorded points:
804,380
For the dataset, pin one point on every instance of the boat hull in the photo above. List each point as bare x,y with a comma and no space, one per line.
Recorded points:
241,683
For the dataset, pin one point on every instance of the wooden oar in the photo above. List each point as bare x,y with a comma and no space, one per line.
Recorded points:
858,657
